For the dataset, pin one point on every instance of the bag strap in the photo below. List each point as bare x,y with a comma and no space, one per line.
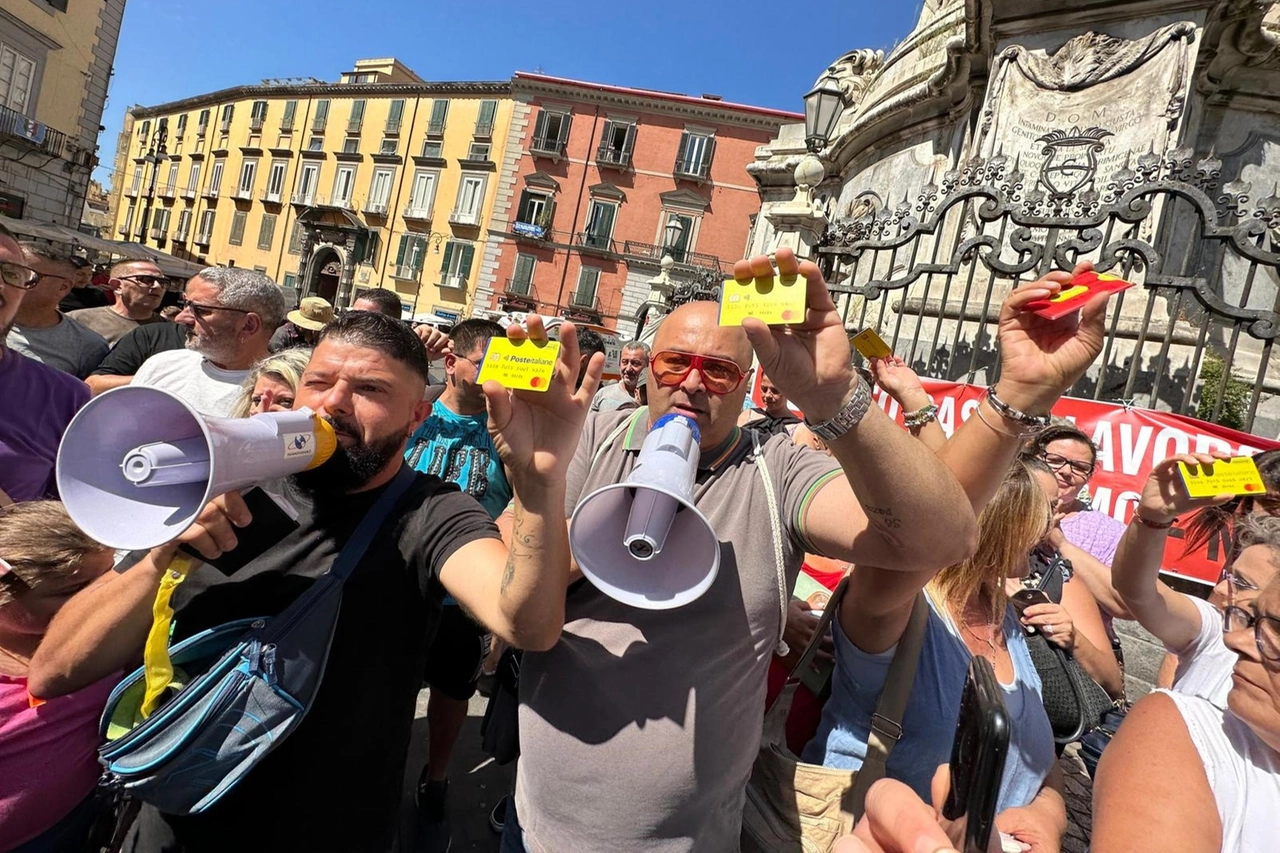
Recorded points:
775,529
351,554
617,431
886,722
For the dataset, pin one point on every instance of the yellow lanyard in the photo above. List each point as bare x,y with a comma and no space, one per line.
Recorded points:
155,655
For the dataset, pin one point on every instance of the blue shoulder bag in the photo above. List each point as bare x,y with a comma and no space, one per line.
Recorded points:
257,680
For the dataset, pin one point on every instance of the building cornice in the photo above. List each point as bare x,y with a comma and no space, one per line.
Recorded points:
685,106
329,90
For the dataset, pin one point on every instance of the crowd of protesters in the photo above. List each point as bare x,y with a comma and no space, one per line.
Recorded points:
846,545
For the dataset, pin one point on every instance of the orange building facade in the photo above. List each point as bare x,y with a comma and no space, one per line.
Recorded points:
599,182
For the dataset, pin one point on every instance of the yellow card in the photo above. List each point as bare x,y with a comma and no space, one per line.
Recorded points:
870,344
524,366
774,300
1235,476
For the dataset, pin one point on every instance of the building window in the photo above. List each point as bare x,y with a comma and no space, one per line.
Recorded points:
237,228
290,281
295,238
351,145
600,216
584,295
202,126
432,149
171,185
380,190
439,112
684,243
275,180
184,225
159,223
182,127
616,143
693,160
410,255
248,173
266,231
193,179
389,147
522,278
215,177
470,200
206,228
290,112
128,220
456,268
394,117
315,143
484,124
550,133
136,186
478,151
357,116
421,195
308,178
17,77
343,183
535,209
321,119
227,112
257,116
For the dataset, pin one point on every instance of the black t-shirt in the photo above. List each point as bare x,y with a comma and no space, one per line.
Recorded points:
335,783
139,345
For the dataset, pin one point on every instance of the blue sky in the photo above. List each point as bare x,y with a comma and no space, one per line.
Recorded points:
171,49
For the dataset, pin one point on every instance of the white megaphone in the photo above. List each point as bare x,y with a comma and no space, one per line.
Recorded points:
642,541
137,465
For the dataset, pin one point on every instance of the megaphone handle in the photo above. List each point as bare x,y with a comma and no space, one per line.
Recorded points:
157,666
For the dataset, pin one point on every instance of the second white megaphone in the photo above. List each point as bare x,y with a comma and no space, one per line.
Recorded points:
137,465
642,541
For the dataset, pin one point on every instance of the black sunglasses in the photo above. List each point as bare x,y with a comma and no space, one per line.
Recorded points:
16,275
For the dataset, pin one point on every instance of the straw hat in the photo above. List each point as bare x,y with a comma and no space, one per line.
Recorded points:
313,314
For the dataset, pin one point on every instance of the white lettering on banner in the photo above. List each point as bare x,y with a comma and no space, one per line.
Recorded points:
1131,452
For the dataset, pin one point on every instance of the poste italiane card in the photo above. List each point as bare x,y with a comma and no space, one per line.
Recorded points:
772,299
870,344
1080,290
1235,476
521,366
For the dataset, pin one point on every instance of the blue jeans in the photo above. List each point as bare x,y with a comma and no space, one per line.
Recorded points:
512,835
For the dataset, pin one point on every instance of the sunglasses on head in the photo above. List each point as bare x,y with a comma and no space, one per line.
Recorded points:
719,375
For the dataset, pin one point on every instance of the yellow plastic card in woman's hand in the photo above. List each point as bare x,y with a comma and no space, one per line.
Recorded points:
1235,476
774,300
523,366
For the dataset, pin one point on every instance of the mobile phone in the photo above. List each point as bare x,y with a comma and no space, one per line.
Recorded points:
1024,598
271,522
978,755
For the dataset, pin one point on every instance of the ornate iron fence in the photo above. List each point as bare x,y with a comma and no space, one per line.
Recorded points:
1194,337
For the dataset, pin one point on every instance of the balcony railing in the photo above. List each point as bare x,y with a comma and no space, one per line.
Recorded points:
255,124
166,191
697,168
202,131
682,257
376,208
157,233
460,217
123,229
393,127
518,287
584,301
14,125
203,238
484,128
547,146
131,192
354,125
271,197
333,201
454,282
417,212
244,193
607,155
286,125
211,191
307,198
408,272
435,128
180,236
319,125
589,240
189,192
225,127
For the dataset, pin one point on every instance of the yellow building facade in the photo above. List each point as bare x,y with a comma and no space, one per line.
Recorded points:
55,66
379,180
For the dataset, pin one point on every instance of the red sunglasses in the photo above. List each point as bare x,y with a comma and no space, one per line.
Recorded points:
719,376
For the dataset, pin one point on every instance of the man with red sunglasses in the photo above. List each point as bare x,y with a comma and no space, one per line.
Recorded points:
666,703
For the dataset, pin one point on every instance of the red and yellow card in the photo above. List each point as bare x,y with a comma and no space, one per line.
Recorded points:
1235,476
1078,291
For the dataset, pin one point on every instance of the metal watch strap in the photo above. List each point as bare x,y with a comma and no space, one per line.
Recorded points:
848,417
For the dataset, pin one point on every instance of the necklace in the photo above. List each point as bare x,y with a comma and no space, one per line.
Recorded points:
989,639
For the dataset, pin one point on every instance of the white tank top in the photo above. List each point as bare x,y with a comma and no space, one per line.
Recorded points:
1204,667
1243,773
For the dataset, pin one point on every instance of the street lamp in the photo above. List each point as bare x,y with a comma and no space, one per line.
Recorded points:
822,107
155,154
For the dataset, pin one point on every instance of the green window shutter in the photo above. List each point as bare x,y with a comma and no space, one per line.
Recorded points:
540,126
464,266
487,111
404,242
448,256
397,110
439,110
290,110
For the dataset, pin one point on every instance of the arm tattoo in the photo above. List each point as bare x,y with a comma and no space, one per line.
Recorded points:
882,517
522,546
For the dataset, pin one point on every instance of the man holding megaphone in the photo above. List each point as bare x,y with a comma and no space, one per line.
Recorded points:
639,727
334,783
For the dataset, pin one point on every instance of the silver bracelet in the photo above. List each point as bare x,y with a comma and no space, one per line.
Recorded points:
1033,422
849,415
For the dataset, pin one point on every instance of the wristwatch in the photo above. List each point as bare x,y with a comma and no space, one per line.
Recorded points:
848,417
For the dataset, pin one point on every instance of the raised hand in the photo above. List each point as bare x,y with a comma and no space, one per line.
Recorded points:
536,432
809,361
1164,497
899,381
1040,359
436,342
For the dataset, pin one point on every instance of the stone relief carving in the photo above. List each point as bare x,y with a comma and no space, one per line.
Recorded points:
855,70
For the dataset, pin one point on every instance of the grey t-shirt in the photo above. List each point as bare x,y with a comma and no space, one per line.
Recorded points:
68,346
639,728
209,389
106,322
612,397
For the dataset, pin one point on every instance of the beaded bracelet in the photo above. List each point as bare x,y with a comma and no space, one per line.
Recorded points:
1153,525
921,416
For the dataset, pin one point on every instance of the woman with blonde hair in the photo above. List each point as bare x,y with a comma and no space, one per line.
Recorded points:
272,383
48,750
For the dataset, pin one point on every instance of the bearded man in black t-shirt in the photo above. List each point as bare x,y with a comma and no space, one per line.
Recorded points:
334,784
